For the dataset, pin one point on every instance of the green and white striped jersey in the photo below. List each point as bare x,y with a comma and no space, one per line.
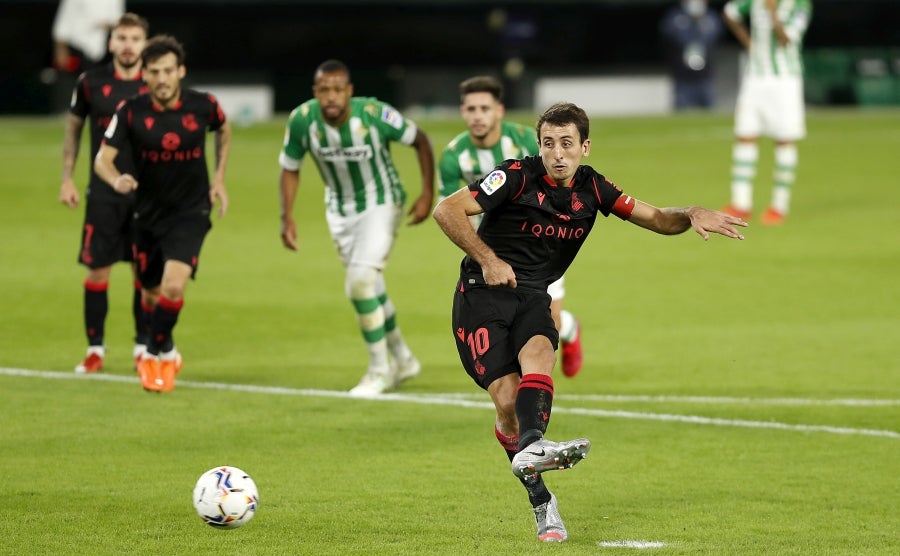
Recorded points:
462,162
354,159
766,56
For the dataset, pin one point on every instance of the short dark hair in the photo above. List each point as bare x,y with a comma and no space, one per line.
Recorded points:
131,19
481,84
564,113
332,66
159,46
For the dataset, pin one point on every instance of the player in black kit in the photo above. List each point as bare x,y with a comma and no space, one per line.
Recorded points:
166,131
106,234
537,213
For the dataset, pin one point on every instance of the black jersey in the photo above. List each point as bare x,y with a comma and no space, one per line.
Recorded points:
169,152
536,226
96,95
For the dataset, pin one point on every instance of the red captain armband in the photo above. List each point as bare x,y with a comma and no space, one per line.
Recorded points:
623,207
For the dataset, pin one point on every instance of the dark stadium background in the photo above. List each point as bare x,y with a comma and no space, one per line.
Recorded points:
414,52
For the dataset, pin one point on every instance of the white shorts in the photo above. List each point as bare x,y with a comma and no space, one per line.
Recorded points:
365,239
557,290
771,107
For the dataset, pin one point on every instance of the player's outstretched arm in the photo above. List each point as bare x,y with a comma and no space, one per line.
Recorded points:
420,209
672,220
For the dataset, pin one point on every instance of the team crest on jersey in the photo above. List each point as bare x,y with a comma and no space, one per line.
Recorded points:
391,117
576,202
106,90
493,181
189,122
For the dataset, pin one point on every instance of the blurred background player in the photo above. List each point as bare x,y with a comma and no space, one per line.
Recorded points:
770,98
166,131
472,154
349,138
106,234
80,29
691,32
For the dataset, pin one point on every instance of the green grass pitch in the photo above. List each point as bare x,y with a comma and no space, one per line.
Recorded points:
742,397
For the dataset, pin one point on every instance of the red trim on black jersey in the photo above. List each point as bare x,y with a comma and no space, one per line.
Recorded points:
87,90
596,190
521,189
120,77
160,108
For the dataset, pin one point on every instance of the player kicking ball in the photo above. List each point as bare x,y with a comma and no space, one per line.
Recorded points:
538,211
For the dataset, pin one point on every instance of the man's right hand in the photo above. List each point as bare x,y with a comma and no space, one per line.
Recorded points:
125,183
289,233
68,194
498,273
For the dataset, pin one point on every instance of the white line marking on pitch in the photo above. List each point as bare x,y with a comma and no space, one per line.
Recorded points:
725,400
463,401
721,400
640,545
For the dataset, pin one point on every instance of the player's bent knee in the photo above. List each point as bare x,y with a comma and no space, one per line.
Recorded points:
361,282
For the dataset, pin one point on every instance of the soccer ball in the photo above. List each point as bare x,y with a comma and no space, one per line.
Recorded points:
225,497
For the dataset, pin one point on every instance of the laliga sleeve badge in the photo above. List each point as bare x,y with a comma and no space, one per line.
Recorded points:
493,181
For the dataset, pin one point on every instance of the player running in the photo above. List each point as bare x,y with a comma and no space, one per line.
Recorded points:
166,131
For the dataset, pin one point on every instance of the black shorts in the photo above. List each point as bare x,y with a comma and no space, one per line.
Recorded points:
177,238
107,233
492,325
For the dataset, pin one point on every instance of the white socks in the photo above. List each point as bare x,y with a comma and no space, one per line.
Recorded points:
744,157
567,326
784,175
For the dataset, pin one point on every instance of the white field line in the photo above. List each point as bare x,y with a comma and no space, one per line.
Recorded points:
468,401
640,545
725,400
722,400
